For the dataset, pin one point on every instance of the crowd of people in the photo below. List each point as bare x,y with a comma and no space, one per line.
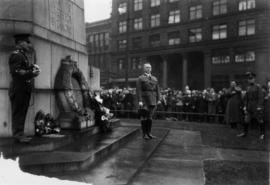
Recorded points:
207,105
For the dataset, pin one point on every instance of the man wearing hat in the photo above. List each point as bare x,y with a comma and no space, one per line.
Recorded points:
148,96
22,73
253,105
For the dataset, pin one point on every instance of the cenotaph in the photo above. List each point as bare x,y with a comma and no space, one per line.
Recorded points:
57,29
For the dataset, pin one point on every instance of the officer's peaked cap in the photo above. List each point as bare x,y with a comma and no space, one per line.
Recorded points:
22,37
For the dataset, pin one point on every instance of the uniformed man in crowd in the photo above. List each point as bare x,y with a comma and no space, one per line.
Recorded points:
22,73
148,97
253,105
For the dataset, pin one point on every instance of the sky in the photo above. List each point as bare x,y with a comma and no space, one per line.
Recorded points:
96,10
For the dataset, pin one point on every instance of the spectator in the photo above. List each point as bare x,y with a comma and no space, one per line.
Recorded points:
234,105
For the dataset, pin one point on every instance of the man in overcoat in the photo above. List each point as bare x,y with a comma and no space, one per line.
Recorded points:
253,105
22,73
148,97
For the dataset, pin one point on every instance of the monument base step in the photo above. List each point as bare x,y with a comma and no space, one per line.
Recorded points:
80,155
11,149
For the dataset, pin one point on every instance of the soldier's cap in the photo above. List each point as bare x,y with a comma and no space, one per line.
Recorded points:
250,75
22,37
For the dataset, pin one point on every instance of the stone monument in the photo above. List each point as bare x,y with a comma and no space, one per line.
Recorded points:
58,29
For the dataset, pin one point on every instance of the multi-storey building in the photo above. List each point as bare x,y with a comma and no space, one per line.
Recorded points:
200,43
98,45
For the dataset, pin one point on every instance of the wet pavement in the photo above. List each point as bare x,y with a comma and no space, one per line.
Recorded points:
176,157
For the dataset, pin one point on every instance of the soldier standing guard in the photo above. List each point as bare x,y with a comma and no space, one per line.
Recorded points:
253,105
148,96
22,73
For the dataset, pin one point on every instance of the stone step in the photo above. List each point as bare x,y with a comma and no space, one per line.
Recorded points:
124,165
10,148
78,156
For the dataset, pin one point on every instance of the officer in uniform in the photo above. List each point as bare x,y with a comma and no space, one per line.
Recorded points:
253,105
148,96
22,73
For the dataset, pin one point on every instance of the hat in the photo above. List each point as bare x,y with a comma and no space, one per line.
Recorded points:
250,75
22,37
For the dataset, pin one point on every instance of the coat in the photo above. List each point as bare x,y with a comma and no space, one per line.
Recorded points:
148,90
253,98
266,105
21,82
234,105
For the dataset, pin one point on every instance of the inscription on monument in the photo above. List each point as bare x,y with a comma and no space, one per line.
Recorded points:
61,19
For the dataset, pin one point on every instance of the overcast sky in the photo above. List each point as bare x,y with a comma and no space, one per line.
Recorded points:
96,10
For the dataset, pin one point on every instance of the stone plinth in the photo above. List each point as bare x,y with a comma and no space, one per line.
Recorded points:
58,29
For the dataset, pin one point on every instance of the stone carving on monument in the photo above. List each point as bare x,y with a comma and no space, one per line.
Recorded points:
72,96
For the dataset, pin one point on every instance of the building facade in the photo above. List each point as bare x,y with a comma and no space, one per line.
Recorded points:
98,46
200,43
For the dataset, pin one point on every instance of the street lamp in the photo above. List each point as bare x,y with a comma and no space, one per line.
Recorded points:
122,10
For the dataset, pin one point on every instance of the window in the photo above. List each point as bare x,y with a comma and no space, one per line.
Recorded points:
90,43
138,24
107,40
120,64
174,16
122,27
90,38
137,42
122,8
195,35
155,20
219,7
219,32
221,56
122,44
136,63
96,42
195,12
155,3
221,59
246,4
154,40
174,38
246,27
138,5
101,40
247,56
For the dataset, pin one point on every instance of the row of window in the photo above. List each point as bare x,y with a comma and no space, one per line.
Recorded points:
245,28
219,7
239,57
99,41
136,63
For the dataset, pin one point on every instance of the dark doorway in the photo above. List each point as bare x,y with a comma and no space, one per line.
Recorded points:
196,70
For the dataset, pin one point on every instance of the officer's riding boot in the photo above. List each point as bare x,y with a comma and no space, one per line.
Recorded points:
149,129
144,129
244,134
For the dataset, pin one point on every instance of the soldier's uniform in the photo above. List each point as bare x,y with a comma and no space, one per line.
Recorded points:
253,103
148,92
20,89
